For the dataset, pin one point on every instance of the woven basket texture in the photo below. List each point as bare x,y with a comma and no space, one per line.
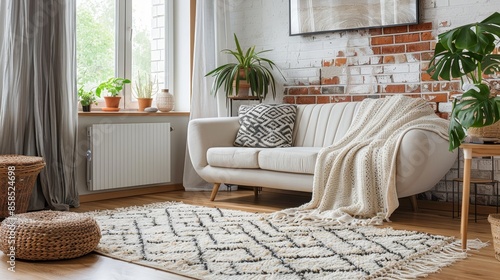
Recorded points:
21,182
490,131
494,220
49,235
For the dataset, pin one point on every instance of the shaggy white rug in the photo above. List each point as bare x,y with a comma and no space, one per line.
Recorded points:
212,243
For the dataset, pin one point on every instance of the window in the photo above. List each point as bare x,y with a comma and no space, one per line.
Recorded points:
117,38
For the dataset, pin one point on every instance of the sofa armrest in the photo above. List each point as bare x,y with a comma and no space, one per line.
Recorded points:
422,161
206,133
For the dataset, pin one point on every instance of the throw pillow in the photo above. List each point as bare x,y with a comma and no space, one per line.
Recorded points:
266,125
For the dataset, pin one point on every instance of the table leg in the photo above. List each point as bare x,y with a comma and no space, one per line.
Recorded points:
465,197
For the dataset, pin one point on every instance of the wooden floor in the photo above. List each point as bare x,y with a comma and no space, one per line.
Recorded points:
480,265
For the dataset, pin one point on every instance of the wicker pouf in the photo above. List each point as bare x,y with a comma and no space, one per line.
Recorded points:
17,177
494,220
49,235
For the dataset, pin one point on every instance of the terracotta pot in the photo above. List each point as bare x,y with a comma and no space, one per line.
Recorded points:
112,103
243,90
244,86
144,103
241,73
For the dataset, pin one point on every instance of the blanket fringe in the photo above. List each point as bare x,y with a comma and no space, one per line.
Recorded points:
423,265
325,218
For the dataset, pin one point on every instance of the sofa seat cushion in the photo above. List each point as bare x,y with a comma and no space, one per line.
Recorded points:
292,159
233,157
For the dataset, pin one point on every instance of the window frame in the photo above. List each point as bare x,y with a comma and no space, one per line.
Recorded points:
123,50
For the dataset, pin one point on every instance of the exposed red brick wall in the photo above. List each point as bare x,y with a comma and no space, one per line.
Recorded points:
394,62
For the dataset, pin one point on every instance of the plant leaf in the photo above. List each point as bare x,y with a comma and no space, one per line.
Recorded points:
476,109
465,39
238,47
481,109
466,46
491,64
493,18
448,64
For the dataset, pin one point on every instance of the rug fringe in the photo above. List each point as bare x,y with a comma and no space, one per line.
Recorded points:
423,265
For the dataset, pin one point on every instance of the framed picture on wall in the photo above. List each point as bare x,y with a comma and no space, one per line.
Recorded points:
316,16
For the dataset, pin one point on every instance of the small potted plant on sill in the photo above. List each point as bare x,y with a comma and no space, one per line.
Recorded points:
251,72
468,52
144,90
113,86
86,98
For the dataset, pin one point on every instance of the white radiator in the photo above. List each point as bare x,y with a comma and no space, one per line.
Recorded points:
125,155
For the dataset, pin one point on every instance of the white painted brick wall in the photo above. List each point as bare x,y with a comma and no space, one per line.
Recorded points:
156,55
356,80
396,68
362,89
384,79
406,77
354,70
158,39
367,70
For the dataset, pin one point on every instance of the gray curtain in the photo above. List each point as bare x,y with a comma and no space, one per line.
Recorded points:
38,104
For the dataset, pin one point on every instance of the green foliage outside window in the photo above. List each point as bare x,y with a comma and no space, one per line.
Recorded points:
95,38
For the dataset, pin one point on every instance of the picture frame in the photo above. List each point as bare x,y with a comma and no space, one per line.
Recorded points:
318,16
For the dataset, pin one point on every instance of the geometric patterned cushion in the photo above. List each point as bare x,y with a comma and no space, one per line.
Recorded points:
266,125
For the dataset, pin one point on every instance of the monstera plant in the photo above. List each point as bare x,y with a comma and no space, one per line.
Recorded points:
468,52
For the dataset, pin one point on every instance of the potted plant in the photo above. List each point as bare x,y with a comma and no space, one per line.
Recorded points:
251,68
113,86
86,98
468,52
144,90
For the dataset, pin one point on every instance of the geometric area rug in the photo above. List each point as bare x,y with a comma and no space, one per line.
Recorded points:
212,243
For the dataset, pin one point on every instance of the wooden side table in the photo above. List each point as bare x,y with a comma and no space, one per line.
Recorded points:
473,181
248,98
472,150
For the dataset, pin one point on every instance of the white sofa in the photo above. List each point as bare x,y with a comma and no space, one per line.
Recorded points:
423,157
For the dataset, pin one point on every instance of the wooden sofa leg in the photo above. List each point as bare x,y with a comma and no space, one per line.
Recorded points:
256,191
214,191
414,205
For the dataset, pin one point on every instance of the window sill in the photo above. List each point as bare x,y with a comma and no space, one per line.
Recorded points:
130,113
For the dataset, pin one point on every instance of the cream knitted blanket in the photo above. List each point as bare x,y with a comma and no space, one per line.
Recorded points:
355,178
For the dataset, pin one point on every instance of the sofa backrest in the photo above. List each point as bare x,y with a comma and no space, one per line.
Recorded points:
320,125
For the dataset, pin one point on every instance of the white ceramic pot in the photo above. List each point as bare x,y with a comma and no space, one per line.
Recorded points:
165,101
